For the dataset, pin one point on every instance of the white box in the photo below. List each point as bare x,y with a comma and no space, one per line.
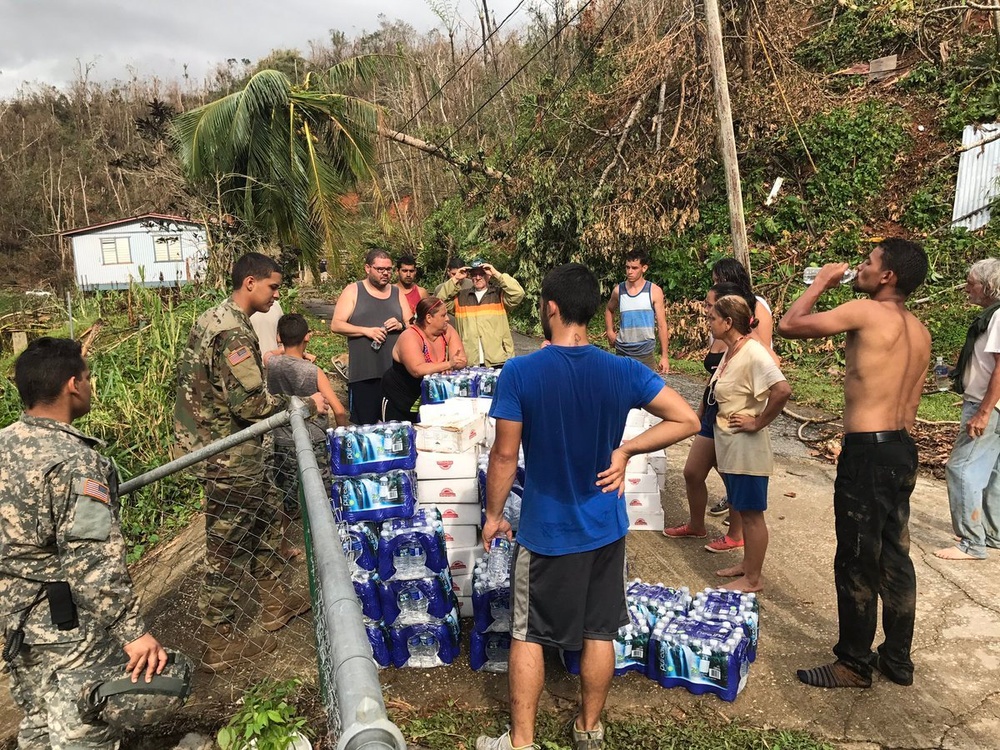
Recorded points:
448,491
643,501
452,411
437,465
483,405
631,432
462,585
651,420
463,514
454,438
635,418
465,606
640,482
645,520
462,560
637,464
461,536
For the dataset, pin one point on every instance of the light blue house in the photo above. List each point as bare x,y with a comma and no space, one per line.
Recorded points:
153,250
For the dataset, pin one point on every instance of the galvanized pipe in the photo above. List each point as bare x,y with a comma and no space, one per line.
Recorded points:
254,430
361,711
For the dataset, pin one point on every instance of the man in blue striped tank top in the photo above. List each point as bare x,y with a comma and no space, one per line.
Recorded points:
642,319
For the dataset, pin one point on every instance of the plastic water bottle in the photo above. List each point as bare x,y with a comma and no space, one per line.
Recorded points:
941,377
410,561
376,344
423,649
498,565
810,273
413,604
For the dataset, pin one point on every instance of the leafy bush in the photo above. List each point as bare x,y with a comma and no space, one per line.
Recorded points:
855,35
266,720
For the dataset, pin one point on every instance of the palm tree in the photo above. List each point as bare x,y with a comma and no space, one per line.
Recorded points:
280,157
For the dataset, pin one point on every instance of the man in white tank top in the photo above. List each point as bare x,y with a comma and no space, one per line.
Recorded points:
642,319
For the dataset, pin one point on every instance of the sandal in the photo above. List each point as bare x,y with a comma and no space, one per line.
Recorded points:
684,530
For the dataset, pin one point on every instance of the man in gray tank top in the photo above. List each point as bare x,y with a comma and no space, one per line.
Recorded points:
371,313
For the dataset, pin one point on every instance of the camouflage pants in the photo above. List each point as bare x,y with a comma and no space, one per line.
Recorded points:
285,467
241,536
51,718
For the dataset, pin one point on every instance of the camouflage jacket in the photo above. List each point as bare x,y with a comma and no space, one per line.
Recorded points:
59,522
221,390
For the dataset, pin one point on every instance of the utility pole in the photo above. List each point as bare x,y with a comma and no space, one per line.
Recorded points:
727,140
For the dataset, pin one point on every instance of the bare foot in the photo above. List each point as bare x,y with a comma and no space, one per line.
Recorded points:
744,585
954,553
733,572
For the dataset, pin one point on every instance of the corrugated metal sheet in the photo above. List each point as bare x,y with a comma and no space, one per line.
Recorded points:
978,171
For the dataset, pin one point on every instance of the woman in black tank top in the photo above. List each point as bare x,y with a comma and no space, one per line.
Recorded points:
428,346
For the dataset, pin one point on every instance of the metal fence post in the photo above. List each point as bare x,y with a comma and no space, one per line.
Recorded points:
340,630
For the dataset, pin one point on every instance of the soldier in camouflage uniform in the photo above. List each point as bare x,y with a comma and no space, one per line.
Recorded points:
221,390
63,580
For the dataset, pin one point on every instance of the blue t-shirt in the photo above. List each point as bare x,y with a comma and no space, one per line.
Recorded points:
572,402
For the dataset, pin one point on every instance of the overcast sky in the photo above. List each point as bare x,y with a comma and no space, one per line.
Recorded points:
42,40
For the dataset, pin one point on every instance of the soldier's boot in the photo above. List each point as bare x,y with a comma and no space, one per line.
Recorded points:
226,649
279,605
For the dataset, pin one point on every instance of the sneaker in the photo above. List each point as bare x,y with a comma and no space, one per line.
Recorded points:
723,544
720,508
483,742
592,740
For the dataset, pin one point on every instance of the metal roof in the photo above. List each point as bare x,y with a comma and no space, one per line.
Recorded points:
977,184
141,217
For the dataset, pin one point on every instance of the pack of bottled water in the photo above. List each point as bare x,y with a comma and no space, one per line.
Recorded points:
656,601
439,387
512,508
703,656
489,652
734,607
412,547
417,600
366,588
360,544
379,640
375,497
424,645
374,448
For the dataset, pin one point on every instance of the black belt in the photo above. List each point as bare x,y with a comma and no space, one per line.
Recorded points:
873,438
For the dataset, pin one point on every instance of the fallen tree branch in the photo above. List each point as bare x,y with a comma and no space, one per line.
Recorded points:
443,153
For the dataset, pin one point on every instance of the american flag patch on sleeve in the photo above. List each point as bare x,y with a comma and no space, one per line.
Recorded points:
240,355
93,488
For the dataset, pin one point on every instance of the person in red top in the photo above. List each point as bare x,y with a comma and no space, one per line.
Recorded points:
406,275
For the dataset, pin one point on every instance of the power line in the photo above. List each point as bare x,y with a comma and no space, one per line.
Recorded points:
517,72
469,59
569,79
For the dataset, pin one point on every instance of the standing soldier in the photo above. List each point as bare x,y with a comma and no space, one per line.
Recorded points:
220,391
67,597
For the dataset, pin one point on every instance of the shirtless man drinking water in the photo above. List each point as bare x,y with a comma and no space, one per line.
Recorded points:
887,354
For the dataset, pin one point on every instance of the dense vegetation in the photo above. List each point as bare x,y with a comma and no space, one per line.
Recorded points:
575,135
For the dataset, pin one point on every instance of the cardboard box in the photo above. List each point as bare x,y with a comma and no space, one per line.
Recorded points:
454,438
462,586
465,606
643,501
461,536
637,464
462,560
448,491
645,520
437,465
640,482
658,461
458,514
636,418
452,411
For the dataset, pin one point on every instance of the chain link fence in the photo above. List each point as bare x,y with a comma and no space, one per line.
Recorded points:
327,648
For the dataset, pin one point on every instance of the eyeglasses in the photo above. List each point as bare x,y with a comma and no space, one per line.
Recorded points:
385,269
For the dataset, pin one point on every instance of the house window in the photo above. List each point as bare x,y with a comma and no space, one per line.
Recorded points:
115,250
167,249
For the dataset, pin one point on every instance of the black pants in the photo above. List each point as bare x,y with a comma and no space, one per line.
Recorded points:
871,503
365,401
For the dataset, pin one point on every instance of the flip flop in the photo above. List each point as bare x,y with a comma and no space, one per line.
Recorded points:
684,530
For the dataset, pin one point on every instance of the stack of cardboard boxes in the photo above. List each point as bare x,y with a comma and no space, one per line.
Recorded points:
645,477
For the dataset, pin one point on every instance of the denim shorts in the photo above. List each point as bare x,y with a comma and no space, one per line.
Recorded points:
746,492
708,421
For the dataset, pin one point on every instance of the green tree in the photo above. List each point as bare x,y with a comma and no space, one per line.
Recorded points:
279,157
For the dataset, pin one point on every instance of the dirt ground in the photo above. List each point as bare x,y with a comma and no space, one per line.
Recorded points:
954,702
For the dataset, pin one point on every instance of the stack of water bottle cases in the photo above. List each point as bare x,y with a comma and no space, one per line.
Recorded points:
704,643
407,501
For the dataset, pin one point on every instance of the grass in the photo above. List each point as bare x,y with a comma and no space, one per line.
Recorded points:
456,728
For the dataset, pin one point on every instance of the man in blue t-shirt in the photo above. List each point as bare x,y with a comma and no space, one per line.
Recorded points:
568,403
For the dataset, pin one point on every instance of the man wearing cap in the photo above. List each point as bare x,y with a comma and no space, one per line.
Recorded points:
481,311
